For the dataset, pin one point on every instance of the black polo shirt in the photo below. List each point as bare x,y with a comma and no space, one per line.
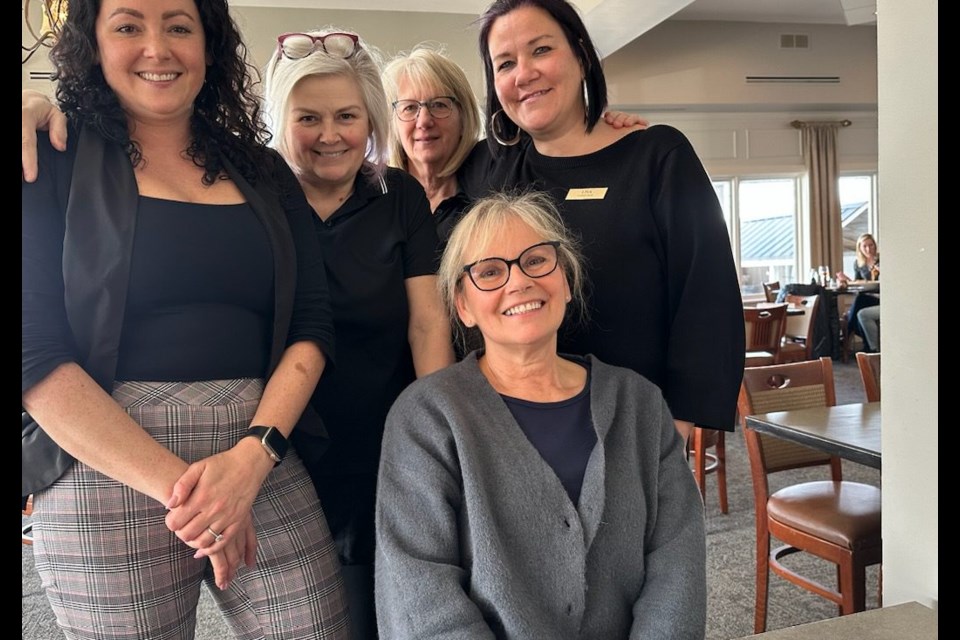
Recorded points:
382,235
448,214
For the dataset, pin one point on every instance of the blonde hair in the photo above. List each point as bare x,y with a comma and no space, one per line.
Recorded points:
427,68
282,75
861,258
479,228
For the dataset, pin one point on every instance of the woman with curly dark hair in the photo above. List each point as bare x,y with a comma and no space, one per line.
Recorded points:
174,302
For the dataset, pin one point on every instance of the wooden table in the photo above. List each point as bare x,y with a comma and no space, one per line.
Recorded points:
910,620
792,309
851,431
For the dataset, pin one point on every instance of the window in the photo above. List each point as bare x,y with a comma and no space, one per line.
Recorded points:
858,213
763,222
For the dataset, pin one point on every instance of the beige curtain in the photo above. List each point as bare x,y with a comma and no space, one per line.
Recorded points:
819,142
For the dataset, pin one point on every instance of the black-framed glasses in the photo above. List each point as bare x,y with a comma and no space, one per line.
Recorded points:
300,45
439,107
538,261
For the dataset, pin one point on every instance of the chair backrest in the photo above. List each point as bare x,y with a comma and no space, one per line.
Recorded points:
764,327
869,364
801,328
771,290
785,387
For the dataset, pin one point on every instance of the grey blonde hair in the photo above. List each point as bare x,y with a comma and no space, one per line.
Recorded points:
861,256
427,67
364,66
478,230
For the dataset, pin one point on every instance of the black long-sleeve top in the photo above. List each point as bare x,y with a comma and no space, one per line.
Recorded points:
201,298
663,297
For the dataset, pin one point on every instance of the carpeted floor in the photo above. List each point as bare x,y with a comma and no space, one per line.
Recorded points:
730,555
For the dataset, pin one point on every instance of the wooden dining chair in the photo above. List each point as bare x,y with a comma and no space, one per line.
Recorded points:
869,365
836,520
797,342
764,328
771,290
708,451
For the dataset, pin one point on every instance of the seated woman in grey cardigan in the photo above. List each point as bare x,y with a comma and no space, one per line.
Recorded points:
522,493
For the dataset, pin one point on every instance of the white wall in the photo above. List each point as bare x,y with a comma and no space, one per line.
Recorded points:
742,144
909,165
703,65
389,31
691,74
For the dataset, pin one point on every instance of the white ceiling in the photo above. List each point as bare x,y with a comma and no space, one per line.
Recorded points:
614,23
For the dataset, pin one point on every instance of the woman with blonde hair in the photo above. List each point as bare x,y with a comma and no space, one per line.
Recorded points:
326,105
435,127
526,493
863,316
866,266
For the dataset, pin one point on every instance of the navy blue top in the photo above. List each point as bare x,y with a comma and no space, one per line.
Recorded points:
863,272
562,432
372,244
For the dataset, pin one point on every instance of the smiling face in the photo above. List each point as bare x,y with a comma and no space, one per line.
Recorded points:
526,312
327,130
537,77
429,142
868,247
152,53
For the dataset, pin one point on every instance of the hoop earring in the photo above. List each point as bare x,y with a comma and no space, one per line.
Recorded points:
496,134
586,100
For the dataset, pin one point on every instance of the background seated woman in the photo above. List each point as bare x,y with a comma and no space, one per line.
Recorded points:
865,269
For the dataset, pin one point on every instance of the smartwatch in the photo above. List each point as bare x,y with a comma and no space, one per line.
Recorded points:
272,442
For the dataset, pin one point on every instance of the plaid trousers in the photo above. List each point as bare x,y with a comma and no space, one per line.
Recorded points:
112,570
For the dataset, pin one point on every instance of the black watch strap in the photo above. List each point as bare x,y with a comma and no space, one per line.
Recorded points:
272,442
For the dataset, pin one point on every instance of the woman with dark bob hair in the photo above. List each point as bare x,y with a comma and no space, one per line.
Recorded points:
651,227
525,493
175,321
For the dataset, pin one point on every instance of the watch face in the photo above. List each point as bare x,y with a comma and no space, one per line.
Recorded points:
272,441
265,441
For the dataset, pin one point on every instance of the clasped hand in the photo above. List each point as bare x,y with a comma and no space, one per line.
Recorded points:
210,510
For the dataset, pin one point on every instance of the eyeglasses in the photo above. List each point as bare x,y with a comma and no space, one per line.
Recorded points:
300,45
489,274
439,107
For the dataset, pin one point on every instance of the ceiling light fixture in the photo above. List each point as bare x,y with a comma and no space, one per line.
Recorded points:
53,13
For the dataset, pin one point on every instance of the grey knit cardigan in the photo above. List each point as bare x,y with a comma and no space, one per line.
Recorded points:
477,538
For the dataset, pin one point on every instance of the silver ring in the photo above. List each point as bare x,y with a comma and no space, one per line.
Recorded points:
217,537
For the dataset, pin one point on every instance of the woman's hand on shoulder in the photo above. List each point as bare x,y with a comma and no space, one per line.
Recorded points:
621,120
38,113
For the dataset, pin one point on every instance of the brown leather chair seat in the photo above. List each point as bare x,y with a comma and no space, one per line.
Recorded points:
833,520
844,513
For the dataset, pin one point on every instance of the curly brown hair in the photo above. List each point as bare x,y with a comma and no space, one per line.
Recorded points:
226,121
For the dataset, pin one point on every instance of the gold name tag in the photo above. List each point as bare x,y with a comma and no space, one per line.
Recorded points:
591,193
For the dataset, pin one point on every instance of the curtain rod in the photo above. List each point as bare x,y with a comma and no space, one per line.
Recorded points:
799,124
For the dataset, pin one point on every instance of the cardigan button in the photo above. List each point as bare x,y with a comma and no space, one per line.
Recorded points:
569,609
566,522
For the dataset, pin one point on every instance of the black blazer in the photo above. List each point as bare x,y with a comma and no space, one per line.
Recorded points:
100,192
